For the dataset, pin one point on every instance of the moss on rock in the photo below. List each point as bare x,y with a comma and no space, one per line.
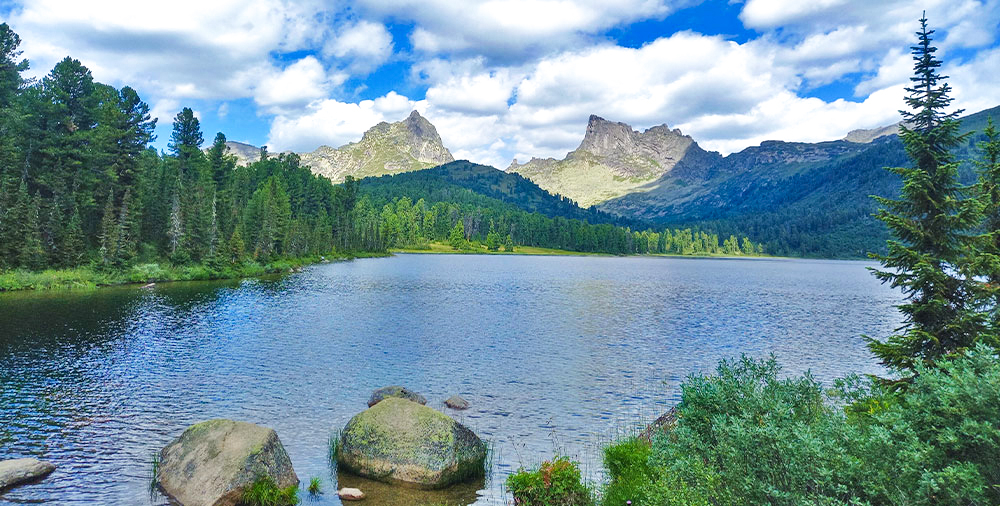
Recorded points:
399,441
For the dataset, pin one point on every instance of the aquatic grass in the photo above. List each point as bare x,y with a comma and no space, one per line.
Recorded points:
264,492
334,445
154,476
315,488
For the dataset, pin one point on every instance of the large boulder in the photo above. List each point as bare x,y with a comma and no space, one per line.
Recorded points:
19,471
212,463
395,391
398,441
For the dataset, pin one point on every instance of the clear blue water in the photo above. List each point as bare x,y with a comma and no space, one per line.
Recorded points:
555,354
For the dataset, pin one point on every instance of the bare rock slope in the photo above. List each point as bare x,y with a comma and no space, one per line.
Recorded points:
612,160
386,148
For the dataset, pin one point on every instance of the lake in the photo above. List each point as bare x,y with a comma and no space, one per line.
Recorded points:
555,354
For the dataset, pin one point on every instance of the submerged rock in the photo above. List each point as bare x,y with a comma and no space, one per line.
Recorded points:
398,441
395,391
351,494
456,402
20,471
212,462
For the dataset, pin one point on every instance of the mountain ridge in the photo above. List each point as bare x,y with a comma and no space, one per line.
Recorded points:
612,160
386,148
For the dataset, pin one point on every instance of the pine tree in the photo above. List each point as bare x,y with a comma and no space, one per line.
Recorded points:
508,244
32,252
930,224
236,248
457,236
492,239
109,232
175,228
72,249
128,229
987,262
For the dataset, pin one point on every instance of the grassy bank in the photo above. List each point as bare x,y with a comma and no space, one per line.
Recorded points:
88,277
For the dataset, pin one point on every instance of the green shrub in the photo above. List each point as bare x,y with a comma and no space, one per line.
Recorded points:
744,436
264,492
766,440
144,273
629,473
943,435
554,483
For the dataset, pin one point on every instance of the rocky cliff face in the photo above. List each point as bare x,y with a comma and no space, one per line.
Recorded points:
386,148
613,160
863,136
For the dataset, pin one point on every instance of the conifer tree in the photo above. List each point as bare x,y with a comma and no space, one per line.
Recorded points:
457,236
72,249
109,232
492,239
236,247
987,263
930,224
175,228
32,252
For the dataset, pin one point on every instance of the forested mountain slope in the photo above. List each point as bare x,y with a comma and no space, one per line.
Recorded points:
796,198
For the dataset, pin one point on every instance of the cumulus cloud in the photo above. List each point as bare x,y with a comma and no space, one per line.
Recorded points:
519,78
514,31
361,46
334,123
296,86
184,49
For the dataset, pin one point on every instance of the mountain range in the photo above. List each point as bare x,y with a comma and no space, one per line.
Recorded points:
803,199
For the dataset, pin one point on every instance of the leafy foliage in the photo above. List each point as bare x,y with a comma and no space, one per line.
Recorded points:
554,483
747,436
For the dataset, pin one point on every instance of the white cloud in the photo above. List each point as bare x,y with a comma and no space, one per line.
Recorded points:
178,50
334,123
362,46
514,31
296,86
507,78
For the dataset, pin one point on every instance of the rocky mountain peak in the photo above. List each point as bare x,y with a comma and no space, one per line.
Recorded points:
613,159
386,148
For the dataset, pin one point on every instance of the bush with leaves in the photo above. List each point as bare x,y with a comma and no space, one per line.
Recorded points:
554,483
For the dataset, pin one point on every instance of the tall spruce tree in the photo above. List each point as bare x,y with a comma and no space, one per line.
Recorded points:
931,226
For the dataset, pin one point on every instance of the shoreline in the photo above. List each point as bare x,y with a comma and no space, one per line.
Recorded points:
89,278
444,249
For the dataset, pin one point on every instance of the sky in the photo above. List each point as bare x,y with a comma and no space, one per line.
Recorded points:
505,79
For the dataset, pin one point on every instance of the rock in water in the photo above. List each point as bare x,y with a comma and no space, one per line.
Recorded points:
212,462
398,441
351,494
456,402
19,471
662,425
395,391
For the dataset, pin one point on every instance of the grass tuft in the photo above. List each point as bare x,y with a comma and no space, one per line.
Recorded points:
314,486
264,492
